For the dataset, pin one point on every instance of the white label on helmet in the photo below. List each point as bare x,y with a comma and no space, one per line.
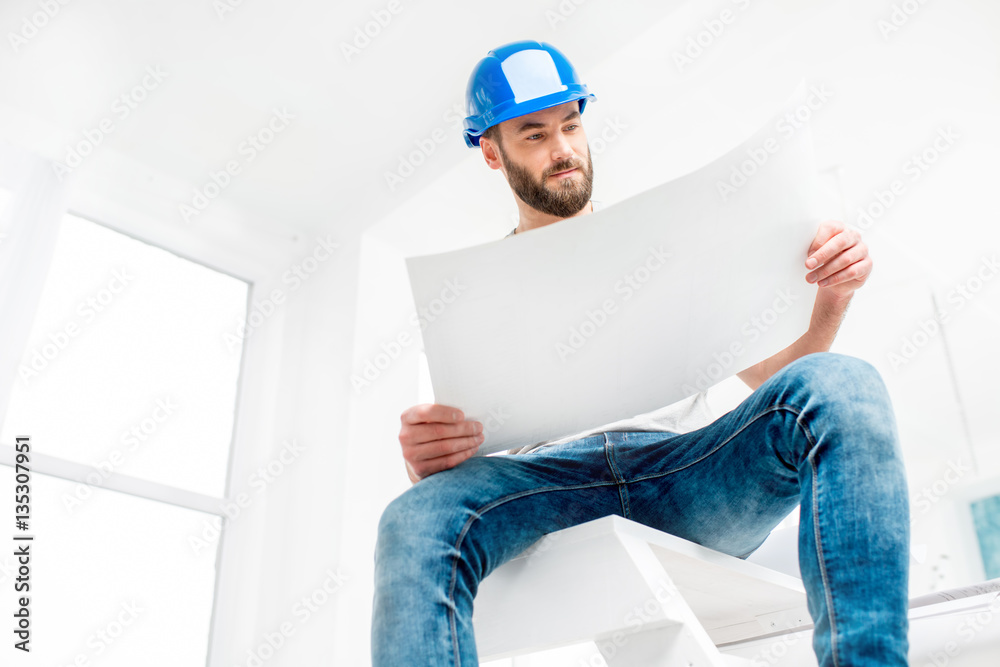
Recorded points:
531,74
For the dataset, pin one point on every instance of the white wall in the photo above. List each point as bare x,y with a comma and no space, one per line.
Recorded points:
280,548
889,98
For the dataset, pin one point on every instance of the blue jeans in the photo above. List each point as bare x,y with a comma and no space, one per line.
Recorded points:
820,434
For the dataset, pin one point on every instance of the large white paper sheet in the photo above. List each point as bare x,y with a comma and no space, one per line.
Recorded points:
629,309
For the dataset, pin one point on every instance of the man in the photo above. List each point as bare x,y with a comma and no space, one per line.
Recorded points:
817,432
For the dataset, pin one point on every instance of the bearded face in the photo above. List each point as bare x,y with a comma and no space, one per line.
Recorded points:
562,196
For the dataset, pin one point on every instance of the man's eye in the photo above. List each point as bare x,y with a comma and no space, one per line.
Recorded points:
572,127
533,136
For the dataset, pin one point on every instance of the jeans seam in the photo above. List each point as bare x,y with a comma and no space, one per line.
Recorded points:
827,589
791,408
622,489
477,514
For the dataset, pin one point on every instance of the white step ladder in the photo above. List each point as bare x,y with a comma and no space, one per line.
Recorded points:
644,597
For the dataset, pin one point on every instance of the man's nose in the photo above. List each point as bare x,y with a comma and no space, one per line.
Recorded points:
561,148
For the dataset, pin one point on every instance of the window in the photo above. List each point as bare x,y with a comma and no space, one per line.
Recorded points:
116,581
128,390
986,518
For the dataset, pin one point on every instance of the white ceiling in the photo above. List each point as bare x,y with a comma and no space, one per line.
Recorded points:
227,70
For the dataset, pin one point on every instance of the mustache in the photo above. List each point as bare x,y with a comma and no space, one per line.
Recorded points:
564,166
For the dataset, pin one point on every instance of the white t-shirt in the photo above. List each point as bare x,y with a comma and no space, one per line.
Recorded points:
686,415
683,416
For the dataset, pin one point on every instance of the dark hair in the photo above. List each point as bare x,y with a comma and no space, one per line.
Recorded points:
492,133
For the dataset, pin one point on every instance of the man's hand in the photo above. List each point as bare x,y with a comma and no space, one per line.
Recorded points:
838,260
435,438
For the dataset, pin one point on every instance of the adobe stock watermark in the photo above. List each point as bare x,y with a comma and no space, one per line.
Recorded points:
751,330
407,164
131,439
365,34
562,12
263,309
258,481
712,29
540,547
102,639
914,167
607,135
573,514
224,7
33,24
7,569
627,286
930,494
910,345
248,150
899,16
373,367
301,611
785,128
776,651
651,610
391,350
966,630
426,146
121,108
87,310
495,418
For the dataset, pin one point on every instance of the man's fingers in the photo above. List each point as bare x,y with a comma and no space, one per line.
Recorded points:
437,437
431,466
415,434
826,231
431,412
828,251
840,262
856,271
435,449
832,248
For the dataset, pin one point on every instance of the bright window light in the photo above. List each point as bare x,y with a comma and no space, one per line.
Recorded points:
127,367
115,580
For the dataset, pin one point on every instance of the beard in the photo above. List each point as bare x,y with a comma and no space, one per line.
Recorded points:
565,199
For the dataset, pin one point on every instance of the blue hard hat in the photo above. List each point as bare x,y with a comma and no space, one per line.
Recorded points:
517,79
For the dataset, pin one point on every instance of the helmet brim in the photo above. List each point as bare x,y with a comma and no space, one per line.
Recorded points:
474,127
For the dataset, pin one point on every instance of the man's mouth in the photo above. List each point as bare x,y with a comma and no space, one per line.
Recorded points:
563,174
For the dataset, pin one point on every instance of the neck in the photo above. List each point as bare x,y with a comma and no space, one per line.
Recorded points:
531,218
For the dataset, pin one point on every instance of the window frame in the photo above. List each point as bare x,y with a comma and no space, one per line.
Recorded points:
232,616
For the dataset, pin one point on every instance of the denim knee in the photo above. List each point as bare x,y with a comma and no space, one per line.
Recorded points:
424,520
839,378
403,522
837,392
392,523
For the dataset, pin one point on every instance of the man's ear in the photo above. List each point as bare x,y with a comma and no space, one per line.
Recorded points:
490,153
